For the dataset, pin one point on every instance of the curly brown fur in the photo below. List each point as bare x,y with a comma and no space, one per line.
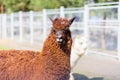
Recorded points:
52,63
14,64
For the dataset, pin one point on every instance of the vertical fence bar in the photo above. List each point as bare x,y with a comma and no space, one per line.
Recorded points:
44,24
4,26
12,26
62,12
20,26
0,25
86,28
31,27
118,39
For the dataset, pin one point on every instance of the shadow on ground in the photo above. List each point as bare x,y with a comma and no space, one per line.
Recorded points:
83,77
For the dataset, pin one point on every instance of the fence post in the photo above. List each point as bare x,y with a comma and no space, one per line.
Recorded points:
0,26
4,26
31,27
86,27
11,26
20,25
119,32
62,12
44,24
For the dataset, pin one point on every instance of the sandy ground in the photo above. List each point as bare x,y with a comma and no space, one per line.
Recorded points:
98,67
89,67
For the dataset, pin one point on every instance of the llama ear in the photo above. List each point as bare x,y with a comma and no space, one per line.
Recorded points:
71,20
50,19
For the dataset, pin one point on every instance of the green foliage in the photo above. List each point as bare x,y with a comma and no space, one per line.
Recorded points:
49,4
36,4
72,3
15,5
25,5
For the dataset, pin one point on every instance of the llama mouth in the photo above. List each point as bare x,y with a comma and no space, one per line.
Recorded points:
59,41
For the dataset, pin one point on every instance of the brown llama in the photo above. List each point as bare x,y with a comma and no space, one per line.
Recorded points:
52,63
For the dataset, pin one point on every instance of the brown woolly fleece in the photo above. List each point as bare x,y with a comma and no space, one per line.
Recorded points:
52,63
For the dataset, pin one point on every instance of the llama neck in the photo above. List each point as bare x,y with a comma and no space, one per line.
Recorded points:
55,60
53,47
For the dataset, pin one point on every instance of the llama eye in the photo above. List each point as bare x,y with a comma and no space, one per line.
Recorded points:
66,31
54,31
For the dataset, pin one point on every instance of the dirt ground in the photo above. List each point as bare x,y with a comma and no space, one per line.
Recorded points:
89,67
98,67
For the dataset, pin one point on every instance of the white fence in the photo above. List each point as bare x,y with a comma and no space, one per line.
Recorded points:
103,24
100,23
33,26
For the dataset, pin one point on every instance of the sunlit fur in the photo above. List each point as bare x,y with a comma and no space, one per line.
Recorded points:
52,63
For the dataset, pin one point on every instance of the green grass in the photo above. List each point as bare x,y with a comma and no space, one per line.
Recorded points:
4,48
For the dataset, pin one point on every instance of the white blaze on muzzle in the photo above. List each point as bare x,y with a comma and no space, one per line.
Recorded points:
59,37
59,40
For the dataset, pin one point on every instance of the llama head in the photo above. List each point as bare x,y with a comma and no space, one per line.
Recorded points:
61,29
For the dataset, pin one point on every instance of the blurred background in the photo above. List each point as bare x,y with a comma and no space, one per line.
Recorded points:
8,6
25,24
27,20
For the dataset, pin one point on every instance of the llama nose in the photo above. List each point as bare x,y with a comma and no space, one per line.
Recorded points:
59,38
